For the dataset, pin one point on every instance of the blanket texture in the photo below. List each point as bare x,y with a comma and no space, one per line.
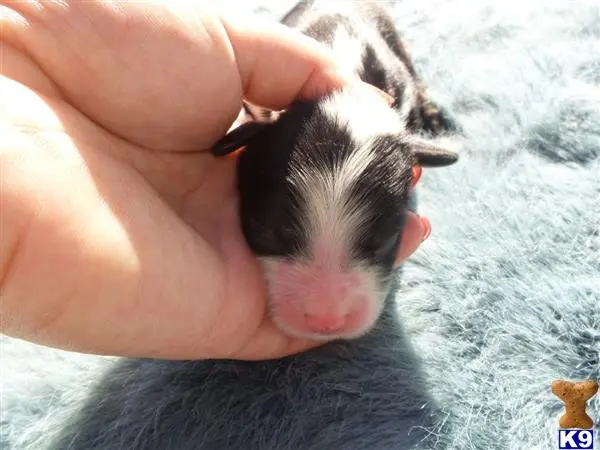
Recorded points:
503,298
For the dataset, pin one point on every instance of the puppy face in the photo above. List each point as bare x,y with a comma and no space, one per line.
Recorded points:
323,194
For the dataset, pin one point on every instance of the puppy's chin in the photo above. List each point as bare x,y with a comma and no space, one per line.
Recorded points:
291,331
293,322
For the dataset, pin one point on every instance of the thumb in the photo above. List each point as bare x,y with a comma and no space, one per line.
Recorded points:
278,64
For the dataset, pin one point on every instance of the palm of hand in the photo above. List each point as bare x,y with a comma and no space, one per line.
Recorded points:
131,117
128,228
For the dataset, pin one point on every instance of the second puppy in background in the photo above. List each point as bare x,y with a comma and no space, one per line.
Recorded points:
324,186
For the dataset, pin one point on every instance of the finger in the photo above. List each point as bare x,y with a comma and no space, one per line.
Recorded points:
278,65
412,237
158,73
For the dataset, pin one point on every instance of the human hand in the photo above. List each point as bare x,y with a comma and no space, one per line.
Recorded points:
117,238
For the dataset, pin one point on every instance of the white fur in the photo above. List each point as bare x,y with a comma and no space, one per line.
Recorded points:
334,216
366,114
347,52
326,193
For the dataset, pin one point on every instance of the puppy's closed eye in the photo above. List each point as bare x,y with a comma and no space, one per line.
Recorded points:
385,246
379,247
266,240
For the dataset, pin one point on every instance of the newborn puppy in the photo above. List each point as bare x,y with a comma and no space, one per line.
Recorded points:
323,191
324,185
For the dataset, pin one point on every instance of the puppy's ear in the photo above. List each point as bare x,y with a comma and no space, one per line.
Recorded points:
239,137
427,154
254,121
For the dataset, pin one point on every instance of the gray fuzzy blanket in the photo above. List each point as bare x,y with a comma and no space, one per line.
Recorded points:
502,299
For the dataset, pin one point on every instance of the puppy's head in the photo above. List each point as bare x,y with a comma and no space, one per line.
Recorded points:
323,191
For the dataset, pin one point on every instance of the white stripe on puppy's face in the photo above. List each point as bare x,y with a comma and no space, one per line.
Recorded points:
333,217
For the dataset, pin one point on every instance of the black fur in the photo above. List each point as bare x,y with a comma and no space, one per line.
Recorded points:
426,115
270,208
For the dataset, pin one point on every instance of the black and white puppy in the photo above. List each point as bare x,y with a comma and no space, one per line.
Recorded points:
324,193
324,187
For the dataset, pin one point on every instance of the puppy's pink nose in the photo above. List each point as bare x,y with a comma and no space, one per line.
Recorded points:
325,323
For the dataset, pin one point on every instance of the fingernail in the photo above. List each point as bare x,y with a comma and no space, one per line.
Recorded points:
426,226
